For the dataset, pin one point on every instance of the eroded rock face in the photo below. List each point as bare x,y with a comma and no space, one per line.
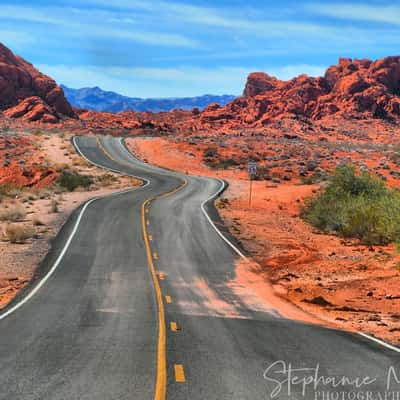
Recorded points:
20,80
20,163
32,109
260,82
352,89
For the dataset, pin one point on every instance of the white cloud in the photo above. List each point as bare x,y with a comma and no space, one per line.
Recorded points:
29,14
236,20
385,14
14,39
167,82
93,25
151,38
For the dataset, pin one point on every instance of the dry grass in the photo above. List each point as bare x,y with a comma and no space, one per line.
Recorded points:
107,179
37,222
80,162
59,167
9,190
12,213
54,206
19,233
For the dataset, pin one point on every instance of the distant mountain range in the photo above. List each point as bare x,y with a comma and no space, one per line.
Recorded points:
100,100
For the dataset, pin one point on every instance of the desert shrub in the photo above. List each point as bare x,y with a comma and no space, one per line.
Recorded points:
59,167
210,152
13,213
356,205
37,222
262,173
222,203
54,206
317,176
225,163
80,162
9,190
107,179
19,233
71,180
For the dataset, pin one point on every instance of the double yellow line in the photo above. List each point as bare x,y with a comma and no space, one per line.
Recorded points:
105,151
161,382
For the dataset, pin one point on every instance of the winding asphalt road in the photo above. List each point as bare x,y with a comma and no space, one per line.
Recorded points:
136,303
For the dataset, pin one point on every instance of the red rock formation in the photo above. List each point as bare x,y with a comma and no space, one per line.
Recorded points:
32,109
19,80
358,89
20,163
260,82
352,89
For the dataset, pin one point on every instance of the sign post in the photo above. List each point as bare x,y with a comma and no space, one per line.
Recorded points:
252,170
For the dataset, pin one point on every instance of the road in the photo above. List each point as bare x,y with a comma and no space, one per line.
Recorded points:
139,306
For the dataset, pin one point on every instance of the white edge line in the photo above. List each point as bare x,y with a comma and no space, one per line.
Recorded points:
70,238
377,341
237,251
223,237
381,342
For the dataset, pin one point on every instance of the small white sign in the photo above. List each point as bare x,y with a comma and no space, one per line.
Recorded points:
252,168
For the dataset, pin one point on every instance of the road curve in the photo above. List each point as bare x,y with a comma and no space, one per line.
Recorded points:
92,331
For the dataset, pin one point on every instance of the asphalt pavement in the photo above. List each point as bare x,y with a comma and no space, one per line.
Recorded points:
103,326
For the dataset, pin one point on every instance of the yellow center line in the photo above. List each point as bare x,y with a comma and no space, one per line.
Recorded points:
179,373
160,392
174,327
105,151
161,381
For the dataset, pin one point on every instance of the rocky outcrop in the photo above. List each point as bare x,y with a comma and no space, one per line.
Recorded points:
21,82
21,163
358,89
260,82
353,90
32,109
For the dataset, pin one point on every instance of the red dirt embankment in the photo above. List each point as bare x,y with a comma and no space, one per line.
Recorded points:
22,164
338,281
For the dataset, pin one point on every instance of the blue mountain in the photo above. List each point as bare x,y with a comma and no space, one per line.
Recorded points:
101,100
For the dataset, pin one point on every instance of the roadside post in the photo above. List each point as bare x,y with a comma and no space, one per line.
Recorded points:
252,170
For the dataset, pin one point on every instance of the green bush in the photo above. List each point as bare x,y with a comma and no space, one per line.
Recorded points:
356,205
72,180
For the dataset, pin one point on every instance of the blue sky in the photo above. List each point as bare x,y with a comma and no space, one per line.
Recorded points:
174,48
